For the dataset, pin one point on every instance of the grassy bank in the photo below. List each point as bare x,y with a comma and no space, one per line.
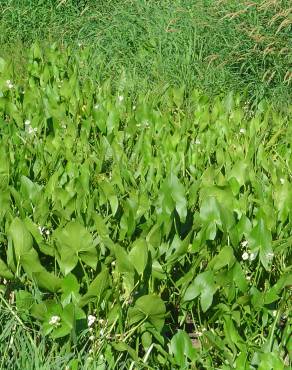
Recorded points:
217,46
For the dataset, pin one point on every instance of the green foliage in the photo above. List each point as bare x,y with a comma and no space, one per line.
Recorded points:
132,228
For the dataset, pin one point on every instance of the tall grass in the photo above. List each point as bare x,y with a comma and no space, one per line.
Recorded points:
214,45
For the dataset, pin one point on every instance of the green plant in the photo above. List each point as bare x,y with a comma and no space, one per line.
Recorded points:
135,229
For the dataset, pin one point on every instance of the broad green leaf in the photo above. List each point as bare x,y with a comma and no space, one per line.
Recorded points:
124,262
21,238
240,172
238,277
74,242
149,307
29,190
224,258
138,255
204,286
182,349
70,289
47,280
260,239
178,195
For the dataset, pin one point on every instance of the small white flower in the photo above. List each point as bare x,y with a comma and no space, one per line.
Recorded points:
27,122
92,337
242,131
30,130
248,277
91,320
101,332
96,106
282,181
120,98
197,142
9,84
274,313
270,256
48,232
252,256
55,320
79,44
245,256
244,243
134,107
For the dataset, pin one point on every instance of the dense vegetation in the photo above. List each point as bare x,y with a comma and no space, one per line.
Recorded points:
145,185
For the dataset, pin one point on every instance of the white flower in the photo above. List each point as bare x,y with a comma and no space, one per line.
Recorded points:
91,320
92,337
245,256
55,320
282,181
242,131
252,256
96,106
274,313
30,130
244,243
47,232
270,256
9,84
134,107
41,230
248,277
27,122
120,98
197,142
